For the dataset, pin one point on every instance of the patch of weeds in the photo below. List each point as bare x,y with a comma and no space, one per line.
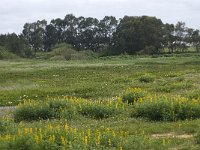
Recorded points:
132,95
172,75
147,78
168,88
180,79
30,111
97,111
197,137
121,80
2,127
195,94
167,109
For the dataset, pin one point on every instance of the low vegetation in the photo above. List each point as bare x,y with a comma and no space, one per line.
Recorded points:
167,109
113,103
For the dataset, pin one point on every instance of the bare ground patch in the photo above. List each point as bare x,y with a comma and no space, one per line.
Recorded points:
172,135
4,111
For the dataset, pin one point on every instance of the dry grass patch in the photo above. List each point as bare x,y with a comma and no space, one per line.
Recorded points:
172,135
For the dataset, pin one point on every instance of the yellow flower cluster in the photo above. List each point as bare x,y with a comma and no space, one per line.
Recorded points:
68,136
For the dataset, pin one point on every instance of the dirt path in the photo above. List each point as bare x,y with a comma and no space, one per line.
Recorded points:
6,110
174,135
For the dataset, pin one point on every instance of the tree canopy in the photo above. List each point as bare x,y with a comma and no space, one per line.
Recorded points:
131,34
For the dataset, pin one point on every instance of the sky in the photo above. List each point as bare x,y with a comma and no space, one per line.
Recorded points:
15,13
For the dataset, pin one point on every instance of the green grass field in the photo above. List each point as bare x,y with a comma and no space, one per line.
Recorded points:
100,80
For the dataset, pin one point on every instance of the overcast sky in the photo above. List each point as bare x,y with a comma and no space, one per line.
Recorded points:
15,13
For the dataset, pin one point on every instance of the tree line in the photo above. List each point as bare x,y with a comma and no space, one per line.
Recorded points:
110,36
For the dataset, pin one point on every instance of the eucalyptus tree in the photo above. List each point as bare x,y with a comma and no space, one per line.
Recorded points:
16,44
169,37
34,33
106,28
180,37
69,33
196,40
134,34
88,33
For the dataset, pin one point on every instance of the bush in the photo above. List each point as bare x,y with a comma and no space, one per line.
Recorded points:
65,51
166,109
146,78
197,137
22,143
5,54
57,58
2,127
30,112
84,55
67,108
195,94
98,111
62,109
132,95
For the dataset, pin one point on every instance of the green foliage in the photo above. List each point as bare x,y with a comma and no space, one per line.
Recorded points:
62,50
2,127
197,137
133,95
62,108
67,108
5,54
22,143
166,109
147,78
65,51
16,45
194,94
98,78
101,79
27,142
30,112
134,34
168,88
99,111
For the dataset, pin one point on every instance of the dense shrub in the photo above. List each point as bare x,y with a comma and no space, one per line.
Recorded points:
197,137
195,94
146,78
65,51
5,54
2,127
167,109
98,111
51,137
32,111
62,108
27,142
132,95
67,108
22,143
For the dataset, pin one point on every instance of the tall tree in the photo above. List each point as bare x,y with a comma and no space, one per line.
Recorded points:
15,44
70,29
51,37
34,33
88,33
196,40
180,34
136,34
107,26
169,38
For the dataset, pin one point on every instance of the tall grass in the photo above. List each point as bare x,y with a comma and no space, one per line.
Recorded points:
68,108
164,108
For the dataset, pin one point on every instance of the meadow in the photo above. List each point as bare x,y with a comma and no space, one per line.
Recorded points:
123,102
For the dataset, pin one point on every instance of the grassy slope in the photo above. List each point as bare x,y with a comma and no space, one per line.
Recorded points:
107,78
96,79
